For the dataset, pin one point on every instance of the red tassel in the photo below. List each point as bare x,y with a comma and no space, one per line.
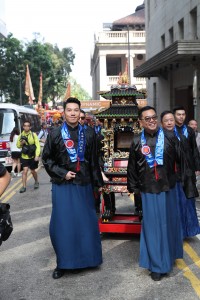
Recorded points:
155,170
175,168
78,167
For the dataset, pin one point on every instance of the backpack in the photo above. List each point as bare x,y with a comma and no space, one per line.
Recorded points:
29,149
6,226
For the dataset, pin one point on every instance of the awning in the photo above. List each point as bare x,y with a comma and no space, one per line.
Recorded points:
119,111
178,54
125,91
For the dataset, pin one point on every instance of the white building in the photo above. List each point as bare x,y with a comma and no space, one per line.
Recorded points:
117,48
3,31
172,54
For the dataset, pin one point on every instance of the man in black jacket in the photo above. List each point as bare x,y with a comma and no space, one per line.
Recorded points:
151,172
70,159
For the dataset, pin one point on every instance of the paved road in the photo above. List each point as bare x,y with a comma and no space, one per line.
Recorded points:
27,260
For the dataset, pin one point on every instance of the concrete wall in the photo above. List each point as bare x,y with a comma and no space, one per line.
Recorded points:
161,16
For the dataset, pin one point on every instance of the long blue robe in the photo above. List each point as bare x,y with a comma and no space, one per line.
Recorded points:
161,236
188,214
74,230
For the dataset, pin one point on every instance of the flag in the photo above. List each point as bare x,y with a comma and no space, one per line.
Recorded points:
40,91
68,92
29,87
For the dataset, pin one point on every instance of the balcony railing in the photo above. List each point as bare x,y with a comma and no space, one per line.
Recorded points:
140,82
120,37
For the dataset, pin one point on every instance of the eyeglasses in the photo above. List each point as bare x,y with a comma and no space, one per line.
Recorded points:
82,118
148,119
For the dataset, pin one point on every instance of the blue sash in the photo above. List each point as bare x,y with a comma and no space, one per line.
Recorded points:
184,132
158,159
69,143
97,128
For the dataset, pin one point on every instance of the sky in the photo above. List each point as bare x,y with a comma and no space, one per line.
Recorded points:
67,24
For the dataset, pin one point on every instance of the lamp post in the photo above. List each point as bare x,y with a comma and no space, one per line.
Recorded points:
129,57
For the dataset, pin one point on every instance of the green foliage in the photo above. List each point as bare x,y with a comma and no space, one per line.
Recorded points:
77,91
55,65
11,67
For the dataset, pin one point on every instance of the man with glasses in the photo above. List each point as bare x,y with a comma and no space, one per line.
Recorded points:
151,172
82,118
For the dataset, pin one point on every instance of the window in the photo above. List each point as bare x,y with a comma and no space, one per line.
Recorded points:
193,22
113,66
7,121
154,95
171,35
181,29
162,42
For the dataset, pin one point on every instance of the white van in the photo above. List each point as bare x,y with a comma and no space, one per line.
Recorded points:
12,115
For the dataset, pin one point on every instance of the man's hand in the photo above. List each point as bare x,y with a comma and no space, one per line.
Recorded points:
36,158
197,173
70,175
22,142
105,178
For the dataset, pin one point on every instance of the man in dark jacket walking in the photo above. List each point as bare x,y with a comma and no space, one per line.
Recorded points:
151,172
70,159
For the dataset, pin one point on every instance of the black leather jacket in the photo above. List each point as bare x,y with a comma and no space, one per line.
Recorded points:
140,177
57,161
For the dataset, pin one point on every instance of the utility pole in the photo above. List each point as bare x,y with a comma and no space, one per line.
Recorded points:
129,57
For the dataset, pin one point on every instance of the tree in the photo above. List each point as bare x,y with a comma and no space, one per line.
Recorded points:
11,66
55,65
77,91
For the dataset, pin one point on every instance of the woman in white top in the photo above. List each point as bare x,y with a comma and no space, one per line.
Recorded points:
15,152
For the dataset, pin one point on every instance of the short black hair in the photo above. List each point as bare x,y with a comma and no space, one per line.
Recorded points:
165,112
71,100
147,107
179,107
82,111
26,121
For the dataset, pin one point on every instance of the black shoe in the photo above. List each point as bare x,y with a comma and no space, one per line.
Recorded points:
57,273
155,276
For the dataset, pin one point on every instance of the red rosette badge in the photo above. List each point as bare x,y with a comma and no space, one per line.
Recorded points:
146,150
69,144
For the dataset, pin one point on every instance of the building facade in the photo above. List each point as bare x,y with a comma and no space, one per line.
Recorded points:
3,31
172,55
119,48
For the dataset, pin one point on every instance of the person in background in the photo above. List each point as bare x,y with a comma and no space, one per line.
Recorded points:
193,124
70,159
186,186
82,119
4,179
187,136
27,137
42,135
151,172
15,152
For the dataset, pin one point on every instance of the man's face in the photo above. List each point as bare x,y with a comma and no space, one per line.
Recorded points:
149,120
179,117
168,122
26,127
82,118
193,125
72,114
